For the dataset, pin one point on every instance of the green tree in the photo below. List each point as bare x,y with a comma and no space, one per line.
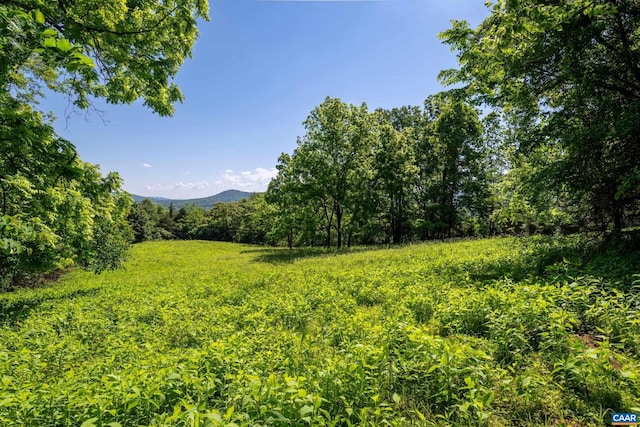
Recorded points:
396,171
192,223
414,124
55,210
297,217
456,140
141,221
257,220
120,51
568,71
150,222
331,157
223,220
367,176
519,207
280,194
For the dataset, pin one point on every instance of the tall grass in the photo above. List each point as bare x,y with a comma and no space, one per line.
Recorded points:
489,332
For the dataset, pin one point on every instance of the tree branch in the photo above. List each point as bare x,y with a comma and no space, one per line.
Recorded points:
627,47
92,29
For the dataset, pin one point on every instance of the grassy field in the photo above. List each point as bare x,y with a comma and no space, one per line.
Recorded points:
489,332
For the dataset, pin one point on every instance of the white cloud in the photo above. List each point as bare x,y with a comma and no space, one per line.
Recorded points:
256,179
191,185
147,165
158,187
179,186
250,180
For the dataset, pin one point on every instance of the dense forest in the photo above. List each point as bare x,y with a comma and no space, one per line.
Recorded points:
540,135
407,174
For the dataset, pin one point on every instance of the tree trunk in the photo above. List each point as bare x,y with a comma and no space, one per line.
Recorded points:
451,212
396,232
329,219
444,207
618,218
395,221
339,212
4,201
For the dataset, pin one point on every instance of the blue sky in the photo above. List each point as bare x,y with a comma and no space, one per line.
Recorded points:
259,68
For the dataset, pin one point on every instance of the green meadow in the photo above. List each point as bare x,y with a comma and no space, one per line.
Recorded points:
499,332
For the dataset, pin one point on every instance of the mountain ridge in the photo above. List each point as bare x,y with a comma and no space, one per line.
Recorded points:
203,202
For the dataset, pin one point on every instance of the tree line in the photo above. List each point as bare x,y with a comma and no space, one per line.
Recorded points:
541,134
245,221
406,174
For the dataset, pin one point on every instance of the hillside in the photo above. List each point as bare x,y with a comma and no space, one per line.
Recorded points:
487,332
204,202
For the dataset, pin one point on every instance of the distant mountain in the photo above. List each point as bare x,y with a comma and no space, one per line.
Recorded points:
204,202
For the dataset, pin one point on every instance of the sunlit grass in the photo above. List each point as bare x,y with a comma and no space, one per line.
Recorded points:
485,332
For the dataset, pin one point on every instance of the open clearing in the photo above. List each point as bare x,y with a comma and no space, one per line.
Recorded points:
486,332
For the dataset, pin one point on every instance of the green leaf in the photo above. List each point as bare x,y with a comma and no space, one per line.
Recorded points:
38,17
7,402
628,374
82,60
229,413
85,60
132,404
215,416
306,409
64,45
469,382
91,422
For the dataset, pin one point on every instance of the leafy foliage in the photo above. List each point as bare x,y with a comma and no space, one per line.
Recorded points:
567,76
120,51
248,220
487,332
384,176
55,210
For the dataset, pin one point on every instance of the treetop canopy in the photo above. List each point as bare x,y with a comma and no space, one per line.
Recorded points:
114,49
